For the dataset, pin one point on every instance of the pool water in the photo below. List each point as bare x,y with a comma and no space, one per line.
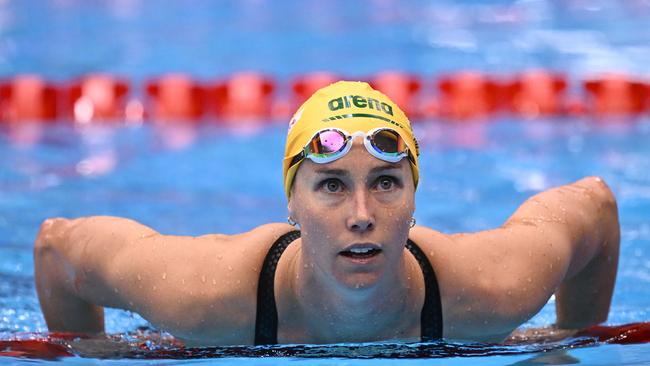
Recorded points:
189,180
473,178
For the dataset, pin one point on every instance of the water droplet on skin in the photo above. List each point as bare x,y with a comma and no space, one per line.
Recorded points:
220,257
238,282
131,303
530,280
509,292
469,308
164,275
230,268
116,290
203,279
153,288
214,282
139,278
458,298
480,269
182,281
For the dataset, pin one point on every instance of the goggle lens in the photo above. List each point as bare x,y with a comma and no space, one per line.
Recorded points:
388,142
327,142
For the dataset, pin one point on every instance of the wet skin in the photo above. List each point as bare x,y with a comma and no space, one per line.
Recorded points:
354,216
349,277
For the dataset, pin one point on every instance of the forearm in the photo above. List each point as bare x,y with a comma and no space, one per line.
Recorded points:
72,263
579,223
584,297
54,275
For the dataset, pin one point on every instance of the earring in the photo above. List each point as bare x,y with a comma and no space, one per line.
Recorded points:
412,222
291,221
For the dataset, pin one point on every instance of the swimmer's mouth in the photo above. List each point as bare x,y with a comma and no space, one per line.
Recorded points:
361,251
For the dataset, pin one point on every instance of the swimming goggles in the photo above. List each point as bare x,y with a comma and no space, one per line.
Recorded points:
331,144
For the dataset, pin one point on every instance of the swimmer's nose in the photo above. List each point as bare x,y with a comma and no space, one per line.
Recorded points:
361,218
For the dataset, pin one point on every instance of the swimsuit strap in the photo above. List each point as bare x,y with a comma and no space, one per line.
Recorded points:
431,316
266,322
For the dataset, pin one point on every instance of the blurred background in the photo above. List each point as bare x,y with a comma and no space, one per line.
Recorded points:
174,113
68,38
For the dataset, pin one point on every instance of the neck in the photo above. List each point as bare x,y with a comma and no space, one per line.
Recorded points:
329,311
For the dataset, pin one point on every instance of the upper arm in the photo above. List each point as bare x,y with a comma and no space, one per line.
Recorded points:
196,287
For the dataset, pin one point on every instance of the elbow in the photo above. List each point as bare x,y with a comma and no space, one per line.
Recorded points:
601,193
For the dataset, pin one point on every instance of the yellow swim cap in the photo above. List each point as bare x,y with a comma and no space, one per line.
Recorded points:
351,106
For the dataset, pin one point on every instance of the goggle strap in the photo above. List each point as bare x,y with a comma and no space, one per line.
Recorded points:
296,159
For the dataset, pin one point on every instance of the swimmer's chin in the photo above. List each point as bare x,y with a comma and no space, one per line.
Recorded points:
359,282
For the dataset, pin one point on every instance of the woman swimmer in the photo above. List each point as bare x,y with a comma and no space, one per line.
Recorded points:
358,270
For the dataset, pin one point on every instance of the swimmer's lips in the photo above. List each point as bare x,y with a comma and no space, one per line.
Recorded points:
362,251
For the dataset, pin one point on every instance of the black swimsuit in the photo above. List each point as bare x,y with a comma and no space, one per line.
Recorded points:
266,322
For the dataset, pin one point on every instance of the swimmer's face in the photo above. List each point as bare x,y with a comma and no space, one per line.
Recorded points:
354,216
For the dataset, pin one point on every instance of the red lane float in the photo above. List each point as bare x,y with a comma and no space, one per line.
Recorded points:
175,97
402,88
97,97
537,93
28,98
617,95
632,333
252,96
468,95
41,349
244,96
302,87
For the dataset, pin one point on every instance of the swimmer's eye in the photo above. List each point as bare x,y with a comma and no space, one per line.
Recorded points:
387,183
332,185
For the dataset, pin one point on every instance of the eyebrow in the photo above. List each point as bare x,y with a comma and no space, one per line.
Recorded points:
343,172
340,172
381,168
